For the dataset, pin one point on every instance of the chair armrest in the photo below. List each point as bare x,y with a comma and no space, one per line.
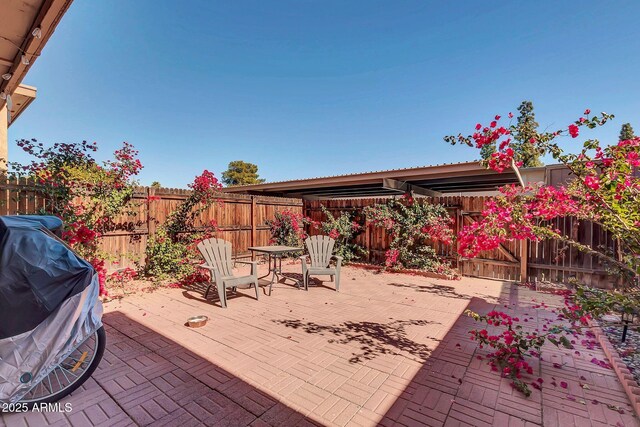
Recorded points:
213,271
338,259
254,266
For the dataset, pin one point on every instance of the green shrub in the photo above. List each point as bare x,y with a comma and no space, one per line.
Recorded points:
288,228
167,258
172,252
413,227
343,230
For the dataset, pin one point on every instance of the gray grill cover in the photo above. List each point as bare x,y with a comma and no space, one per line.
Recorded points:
48,302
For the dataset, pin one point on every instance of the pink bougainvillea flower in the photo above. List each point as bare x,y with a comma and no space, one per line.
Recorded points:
592,182
573,131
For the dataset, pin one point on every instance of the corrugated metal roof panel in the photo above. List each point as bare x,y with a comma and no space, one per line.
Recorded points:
361,173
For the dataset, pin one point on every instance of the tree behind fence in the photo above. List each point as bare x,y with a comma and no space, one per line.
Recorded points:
241,218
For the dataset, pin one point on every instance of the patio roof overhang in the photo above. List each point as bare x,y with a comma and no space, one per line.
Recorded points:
25,28
427,180
22,97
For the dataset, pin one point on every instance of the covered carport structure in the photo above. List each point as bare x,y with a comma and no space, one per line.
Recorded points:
445,179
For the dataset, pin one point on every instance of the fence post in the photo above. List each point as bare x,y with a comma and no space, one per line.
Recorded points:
457,227
151,220
524,255
368,231
253,225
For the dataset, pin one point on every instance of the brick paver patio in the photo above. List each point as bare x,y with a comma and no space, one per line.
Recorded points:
388,349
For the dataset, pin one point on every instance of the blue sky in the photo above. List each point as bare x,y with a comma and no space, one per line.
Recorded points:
312,88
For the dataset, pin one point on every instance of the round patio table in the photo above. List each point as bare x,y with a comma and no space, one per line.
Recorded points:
276,253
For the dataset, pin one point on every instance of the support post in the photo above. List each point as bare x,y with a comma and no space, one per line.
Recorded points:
152,221
254,214
524,243
151,212
524,255
4,146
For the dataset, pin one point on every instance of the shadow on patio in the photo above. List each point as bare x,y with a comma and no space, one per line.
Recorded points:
196,291
145,378
440,290
373,339
454,385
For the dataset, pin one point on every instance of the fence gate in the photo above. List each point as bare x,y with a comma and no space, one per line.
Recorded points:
503,263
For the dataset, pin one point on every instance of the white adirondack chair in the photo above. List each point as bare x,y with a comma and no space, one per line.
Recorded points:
320,250
217,254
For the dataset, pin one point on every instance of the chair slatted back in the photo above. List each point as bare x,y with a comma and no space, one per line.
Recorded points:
217,253
320,250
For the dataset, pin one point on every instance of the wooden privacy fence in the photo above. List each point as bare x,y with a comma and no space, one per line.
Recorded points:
512,261
241,219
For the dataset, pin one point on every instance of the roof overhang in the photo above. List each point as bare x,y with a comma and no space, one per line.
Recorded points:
20,45
428,180
22,97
